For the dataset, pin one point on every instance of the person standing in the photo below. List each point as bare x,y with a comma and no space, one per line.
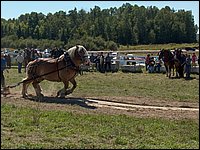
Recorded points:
151,65
60,51
188,66
97,62
92,61
182,62
157,65
101,63
33,54
147,59
8,60
20,60
54,52
108,63
92,58
194,59
3,67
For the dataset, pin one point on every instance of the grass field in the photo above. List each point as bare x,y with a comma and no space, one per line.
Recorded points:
65,129
155,85
62,129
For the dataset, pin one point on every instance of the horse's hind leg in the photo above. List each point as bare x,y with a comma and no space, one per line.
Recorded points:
173,70
169,71
169,74
26,83
37,88
177,71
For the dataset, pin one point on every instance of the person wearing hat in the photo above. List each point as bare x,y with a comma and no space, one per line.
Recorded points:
3,67
147,59
20,60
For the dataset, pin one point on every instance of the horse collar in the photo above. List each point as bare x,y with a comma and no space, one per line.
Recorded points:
69,62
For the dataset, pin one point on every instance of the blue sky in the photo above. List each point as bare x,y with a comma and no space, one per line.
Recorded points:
13,9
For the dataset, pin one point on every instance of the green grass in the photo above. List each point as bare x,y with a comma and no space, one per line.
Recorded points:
158,46
32,128
155,86
62,129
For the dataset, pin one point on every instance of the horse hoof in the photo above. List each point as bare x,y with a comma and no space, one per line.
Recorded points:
41,96
68,92
24,96
62,95
58,93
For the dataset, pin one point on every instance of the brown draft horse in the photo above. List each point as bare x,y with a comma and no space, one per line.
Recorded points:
62,69
169,62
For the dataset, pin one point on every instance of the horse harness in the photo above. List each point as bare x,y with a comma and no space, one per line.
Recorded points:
68,64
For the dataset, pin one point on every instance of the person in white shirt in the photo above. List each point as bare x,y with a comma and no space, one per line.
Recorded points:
20,60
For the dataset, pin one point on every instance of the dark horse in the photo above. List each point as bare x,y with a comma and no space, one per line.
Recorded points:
169,62
62,69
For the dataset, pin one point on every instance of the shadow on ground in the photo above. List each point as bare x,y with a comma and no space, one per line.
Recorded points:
191,78
68,100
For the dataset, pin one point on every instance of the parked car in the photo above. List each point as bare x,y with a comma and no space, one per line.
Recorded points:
130,57
189,49
46,53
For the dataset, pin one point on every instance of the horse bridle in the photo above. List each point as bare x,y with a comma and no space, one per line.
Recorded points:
82,57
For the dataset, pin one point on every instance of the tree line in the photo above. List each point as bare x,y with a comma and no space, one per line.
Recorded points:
100,29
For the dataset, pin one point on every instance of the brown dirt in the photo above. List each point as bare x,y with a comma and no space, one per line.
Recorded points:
132,106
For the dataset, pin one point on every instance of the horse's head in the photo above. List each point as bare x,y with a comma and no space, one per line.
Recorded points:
166,55
82,52
161,54
79,55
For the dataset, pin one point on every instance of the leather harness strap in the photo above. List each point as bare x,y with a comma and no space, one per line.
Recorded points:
69,62
58,69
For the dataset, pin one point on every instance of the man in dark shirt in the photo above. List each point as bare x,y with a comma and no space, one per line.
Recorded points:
108,63
101,63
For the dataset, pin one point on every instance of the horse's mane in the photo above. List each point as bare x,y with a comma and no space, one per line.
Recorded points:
72,51
167,54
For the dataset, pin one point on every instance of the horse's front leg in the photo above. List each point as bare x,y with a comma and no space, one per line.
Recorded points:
173,70
61,92
177,72
69,91
169,71
166,70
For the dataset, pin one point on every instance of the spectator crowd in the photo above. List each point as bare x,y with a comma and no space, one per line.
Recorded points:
99,61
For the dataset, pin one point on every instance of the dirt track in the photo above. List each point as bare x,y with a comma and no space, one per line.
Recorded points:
132,106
